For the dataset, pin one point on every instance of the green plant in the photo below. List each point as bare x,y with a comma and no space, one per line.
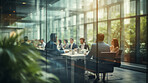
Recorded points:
20,64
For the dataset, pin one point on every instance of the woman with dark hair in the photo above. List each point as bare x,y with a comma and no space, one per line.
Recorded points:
60,46
114,45
66,46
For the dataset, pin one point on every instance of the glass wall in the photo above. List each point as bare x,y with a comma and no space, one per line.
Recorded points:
121,19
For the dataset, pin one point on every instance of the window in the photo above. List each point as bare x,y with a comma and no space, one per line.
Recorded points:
102,14
143,7
115,30
90,34
89,17
129,8
102,28
81,31
114,11
143,39
129,44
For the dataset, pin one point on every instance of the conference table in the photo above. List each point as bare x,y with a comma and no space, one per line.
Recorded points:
76,64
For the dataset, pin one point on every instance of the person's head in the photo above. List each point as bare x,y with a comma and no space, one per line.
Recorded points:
115,42
53,37
42,40
82,40
25,38
71,40
100,37
59,41
65,41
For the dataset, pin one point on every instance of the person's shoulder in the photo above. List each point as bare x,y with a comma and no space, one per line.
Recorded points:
106,44
94,44
75,44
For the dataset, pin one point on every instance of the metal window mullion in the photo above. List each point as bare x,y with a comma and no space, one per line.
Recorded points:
137,31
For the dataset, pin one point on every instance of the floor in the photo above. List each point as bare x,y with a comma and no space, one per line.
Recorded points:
65,74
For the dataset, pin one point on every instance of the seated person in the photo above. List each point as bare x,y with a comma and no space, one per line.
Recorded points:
83,44
52,46
114,46
65,46
60,46
72,44
102,47
43,44
25,41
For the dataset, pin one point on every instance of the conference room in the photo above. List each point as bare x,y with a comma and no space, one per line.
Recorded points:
73,41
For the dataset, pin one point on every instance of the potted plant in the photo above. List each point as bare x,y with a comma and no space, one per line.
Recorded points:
20,64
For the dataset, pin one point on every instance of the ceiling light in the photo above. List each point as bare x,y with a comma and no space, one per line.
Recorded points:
24,3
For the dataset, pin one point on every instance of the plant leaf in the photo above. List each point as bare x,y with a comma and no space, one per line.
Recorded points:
11,55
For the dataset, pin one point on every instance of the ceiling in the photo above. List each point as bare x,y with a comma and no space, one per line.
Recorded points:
15,10
12,11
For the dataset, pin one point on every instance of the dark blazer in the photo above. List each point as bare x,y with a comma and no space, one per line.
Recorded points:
74,46
52,48
85,46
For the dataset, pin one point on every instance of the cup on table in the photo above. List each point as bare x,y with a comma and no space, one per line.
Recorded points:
78,50
73,52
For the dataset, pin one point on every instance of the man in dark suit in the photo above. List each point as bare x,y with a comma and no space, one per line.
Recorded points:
83,44
72,44
51,46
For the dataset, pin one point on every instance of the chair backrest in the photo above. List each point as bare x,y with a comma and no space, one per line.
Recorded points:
107,56
118,59
120,52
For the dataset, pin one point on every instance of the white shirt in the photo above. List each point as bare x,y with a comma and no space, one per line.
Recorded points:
82,46
71,45
43,45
